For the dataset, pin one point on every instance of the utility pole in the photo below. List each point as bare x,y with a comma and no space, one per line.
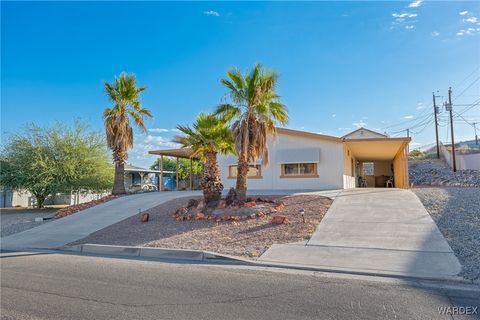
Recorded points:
450,108
408,132
475,128
436,124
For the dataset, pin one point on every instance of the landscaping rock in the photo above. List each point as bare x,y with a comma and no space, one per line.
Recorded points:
250,204
199,216
221,204
144,217
280,220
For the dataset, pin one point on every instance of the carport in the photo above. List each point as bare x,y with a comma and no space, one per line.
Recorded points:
389,157
185,153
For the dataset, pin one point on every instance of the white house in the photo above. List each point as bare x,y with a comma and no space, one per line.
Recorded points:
310,161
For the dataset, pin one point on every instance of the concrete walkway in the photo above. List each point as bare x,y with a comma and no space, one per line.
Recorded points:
60,232
381,231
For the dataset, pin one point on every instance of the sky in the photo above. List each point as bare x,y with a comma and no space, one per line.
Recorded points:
342,65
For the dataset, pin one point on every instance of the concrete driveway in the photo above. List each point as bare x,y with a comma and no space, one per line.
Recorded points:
60,232
381,231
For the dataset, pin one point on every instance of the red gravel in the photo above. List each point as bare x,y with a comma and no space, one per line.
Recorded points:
247,238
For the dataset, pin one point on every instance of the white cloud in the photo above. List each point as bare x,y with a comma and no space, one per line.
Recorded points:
334,115
471,20
345,129
162,130
403,19
468,31
211,13
415,4
404,15
435,34
462,13
408,117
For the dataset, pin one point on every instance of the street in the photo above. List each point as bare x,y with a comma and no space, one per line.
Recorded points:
60,286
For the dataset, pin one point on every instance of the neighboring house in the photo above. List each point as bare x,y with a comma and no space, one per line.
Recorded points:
9,198
138,178
309,161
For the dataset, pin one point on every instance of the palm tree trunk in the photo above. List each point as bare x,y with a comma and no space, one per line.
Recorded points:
242,172
119,182
211,185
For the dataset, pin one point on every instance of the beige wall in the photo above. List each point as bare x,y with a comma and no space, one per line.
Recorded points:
330,166
349,176
382,168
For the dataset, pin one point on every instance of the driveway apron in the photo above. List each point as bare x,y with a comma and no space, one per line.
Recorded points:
381,231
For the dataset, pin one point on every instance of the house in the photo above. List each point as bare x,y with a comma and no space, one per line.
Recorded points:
305,160
310,161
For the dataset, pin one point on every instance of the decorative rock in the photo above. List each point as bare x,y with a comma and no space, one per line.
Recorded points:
250,204
221,204
280,220
144,217
199,216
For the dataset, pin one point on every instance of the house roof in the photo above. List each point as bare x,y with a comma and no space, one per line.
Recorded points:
364,129
307,134
131,168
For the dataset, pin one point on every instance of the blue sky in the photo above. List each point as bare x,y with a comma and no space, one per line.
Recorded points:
341,64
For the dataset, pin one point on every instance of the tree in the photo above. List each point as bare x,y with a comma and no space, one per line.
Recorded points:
253,113
125,95
170,164
206,138
46,161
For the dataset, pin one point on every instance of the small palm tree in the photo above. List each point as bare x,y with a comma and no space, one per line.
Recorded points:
125,96
208,137
253,113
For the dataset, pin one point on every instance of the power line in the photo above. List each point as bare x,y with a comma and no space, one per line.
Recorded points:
464,90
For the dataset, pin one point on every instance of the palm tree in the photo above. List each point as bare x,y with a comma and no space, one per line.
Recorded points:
208,137
253,113
125,96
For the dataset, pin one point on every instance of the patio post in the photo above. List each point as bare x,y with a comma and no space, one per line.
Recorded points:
161,173
191,184
176,175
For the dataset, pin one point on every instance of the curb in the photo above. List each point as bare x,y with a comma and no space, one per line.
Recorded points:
146,252
207,256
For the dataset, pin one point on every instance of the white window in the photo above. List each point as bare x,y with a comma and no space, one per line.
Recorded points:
299,170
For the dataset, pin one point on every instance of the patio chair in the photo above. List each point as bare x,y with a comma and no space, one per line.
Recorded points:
389,182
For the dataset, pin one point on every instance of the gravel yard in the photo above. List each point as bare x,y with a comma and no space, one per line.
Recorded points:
18,220
457,214
247,238
435,172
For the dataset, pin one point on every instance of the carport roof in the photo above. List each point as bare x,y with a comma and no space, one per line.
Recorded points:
177,153
376,149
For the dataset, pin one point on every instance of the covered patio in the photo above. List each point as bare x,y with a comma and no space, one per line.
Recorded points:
183,153
386,161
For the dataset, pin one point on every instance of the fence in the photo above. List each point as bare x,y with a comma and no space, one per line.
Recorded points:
463,161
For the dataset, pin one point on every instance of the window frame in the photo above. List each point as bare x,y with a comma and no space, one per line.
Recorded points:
234,167
298,175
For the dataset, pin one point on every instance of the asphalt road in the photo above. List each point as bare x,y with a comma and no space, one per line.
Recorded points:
55,286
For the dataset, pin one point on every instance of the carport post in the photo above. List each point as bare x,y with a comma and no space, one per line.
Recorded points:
191,164
161,173
176,175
